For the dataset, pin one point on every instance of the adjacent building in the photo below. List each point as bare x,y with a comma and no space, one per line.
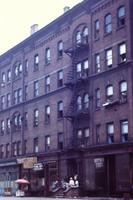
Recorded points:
66,102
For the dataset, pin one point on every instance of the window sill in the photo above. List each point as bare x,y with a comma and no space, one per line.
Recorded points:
107,34
120,27
46,64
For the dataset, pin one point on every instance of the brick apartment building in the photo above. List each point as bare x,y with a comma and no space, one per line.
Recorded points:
66,102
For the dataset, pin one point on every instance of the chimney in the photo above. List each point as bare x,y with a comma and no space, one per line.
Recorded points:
33,29
66,8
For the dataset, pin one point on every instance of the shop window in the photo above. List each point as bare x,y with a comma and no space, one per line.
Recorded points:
47,56
98,98
110,132
60,109
97,63
47,84
60,141
60,49
124,130
108,24
36,145
36,89
47,142
36,62
47,114
96,29
122,53
123,92
109,58
60,78
36,117
121,16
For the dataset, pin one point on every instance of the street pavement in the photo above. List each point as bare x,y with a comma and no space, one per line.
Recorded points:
46,198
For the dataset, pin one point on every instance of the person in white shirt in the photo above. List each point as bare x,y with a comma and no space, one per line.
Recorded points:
71,182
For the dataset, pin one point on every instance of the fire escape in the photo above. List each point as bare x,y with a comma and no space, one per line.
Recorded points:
77,80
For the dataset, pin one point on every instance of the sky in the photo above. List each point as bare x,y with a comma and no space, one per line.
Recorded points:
17,16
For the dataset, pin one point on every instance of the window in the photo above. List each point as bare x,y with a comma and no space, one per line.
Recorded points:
110,132
123,92
3,102
36,89
7,150
3,79
60,141
79,103
47,114
15,97
18,70
79,137
85,35
47,84
124,130
19,95
8,125
36,117
36,145
19,121
26,66
108,24
109,93
47,142
26,119
85,68
121,16
2,151
86,101
36,62
19,148
8,100
26,92
97,63
15,149
122,53
86,137
78,37
47,56
60,49
60,109
109,58
60,78
25,147
98,98
2,127
96,29
78,70
98,136
9,75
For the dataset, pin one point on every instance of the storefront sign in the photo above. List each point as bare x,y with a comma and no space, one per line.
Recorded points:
99,162
27,162
38,166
